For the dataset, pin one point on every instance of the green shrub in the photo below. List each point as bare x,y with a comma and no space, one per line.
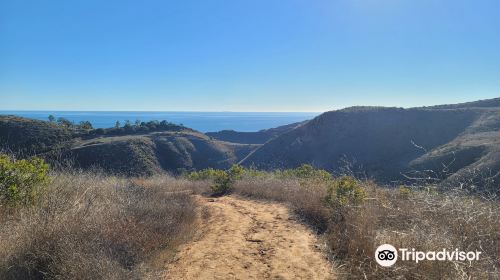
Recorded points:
20,180
345,191
306,172
236,172
223,183
254,173
223,180
205,174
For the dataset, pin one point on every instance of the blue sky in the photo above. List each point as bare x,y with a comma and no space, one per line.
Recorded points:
248,55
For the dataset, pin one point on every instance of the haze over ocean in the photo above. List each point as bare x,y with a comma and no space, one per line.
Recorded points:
201,121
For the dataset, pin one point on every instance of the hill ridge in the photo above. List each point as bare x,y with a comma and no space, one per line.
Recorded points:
387,142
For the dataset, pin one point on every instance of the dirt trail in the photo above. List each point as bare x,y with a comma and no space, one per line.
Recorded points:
246,239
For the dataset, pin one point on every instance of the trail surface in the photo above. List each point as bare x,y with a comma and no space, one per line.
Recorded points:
246,239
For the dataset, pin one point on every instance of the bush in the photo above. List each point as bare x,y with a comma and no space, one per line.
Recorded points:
223,184
306,172
205,174
85,125
344,191
223,180
65,122
236,172
20,180
255,173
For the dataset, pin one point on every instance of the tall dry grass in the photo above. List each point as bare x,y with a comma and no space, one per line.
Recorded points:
92,226
411,219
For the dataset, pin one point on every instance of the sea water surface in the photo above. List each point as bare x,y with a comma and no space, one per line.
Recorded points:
201,121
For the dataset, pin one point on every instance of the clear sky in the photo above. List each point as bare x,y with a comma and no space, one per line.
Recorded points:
246,55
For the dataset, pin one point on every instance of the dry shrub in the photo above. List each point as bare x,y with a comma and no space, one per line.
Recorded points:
431,222
416,219
91,226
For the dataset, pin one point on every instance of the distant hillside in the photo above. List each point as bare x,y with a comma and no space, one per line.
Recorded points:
259,137
487,103
449,142
473,156
128,151
30,137
146,154
389,142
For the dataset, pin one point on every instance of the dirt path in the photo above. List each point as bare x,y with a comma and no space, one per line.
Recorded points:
246,239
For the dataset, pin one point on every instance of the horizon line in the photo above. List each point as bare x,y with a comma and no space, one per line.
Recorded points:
334,108
155,111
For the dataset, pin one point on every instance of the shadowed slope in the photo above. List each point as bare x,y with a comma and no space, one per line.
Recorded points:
32,136
259,137
147,154
386,142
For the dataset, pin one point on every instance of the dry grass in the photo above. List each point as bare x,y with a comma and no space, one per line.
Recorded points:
418,219
91,226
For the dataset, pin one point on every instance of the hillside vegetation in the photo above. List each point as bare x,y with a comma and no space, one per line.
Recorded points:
446,144
32,136
131,149
455,145
152,153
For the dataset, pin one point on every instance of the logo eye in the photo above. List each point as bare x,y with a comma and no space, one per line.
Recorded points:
386,255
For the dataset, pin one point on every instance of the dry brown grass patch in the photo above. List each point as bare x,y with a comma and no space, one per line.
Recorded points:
91,226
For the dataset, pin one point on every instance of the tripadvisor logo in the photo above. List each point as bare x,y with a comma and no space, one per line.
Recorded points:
386,255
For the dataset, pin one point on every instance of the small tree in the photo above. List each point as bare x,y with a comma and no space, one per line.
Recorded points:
85,125
164,124
52,118
65,122
20,180
128,126
117,124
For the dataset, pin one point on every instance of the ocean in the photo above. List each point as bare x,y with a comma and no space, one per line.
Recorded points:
201,121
